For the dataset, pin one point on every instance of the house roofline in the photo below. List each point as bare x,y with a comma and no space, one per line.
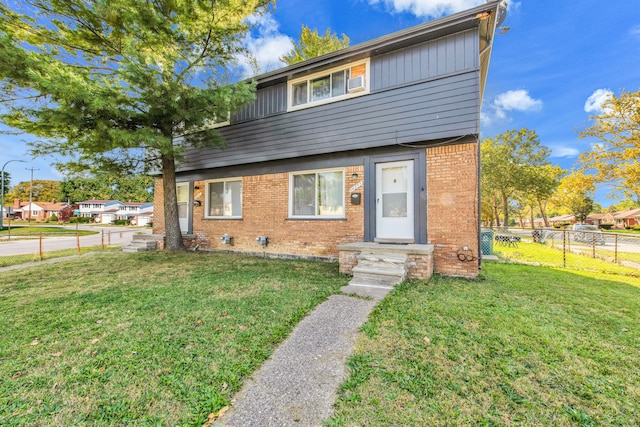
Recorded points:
431,30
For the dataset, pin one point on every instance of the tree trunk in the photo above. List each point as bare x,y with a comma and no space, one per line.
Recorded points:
173,235
505,206
533,221
543,212
496,214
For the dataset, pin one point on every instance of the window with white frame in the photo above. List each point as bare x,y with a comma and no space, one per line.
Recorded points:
223,199
329,86
316,194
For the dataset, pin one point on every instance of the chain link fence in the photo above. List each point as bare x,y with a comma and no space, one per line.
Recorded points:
566,248
38,246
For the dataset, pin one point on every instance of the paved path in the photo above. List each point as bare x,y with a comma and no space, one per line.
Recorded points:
298,385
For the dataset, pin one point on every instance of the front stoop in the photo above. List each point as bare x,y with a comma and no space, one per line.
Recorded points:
377,268
142,243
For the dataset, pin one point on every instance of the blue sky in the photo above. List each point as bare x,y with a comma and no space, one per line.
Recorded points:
548,73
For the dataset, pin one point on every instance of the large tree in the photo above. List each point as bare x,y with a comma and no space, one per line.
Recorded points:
41,190
509,166
311,44
575,193
116,82
615,158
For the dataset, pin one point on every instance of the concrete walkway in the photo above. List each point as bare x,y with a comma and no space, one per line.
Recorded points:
298,385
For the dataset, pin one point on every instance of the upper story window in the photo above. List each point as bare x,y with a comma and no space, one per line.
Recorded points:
329,86
223,199
316,194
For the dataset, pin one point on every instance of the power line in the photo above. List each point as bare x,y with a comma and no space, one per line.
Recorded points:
31,191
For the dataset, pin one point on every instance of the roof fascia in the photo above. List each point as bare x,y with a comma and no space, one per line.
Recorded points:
424,32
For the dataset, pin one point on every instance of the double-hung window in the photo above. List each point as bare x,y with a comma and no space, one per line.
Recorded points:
328,86
223,199
316,194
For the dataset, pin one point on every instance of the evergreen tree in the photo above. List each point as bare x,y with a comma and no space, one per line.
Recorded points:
119,82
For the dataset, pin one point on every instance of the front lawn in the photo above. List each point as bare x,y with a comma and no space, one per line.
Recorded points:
146,339
524,345
35,230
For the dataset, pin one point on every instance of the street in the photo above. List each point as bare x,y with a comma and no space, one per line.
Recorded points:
112,235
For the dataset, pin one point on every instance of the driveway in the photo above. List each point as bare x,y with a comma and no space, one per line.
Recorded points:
112,235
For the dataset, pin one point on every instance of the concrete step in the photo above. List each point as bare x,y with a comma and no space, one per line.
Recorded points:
383,257
141,245
132,248
376,279
375,292
381,268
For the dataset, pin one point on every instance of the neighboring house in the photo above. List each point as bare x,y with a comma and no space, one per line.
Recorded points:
595,219
38,211
138,213
562,219
102,211
627,218
376,143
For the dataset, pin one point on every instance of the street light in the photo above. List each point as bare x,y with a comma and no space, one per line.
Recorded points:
2,198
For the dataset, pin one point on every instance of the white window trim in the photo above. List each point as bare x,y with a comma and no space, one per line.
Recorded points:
290,83
316,171
207,199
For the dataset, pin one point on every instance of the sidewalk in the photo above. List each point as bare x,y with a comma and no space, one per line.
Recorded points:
298,385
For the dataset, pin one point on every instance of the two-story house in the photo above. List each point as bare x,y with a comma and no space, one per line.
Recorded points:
102,211
137,213
375,144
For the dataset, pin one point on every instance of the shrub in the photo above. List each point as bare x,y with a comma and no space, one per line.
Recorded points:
121,222
53,218
606,226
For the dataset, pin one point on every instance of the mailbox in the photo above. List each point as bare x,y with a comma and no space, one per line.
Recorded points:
355,198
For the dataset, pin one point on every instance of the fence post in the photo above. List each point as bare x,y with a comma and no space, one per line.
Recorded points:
615,249
40,249
109,238
564,248
103,239
593,245
78,239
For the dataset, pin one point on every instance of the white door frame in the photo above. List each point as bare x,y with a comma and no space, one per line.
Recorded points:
183,198
394,203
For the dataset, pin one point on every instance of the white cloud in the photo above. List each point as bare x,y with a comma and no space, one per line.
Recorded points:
595,100
266,45
515,100
564,151
433,8
635,31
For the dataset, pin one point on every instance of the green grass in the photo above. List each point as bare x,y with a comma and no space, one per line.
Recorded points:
145,339
6,261
34,230
523,345
552,256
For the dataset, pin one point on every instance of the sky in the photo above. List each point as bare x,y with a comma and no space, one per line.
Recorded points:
549,72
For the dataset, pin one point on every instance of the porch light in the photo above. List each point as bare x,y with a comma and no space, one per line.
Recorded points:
262,240
226,239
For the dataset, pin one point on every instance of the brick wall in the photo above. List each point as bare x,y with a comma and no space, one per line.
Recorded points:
452,207
452,216
265,210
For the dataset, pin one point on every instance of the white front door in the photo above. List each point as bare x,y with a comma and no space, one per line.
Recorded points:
182,194
394,202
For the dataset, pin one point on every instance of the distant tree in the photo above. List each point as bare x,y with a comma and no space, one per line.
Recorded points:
575,193
509,162
120,82
311,45
43,191
615,158
540,186
137,188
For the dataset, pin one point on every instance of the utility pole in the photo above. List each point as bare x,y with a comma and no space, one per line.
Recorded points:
31,192
2,208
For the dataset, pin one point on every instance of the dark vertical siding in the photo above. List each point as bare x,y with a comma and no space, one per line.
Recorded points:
452,54
270,100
